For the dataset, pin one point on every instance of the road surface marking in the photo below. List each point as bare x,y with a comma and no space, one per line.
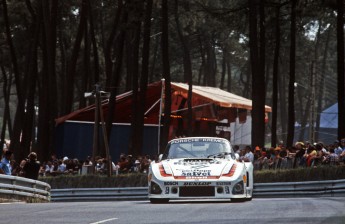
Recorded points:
103,221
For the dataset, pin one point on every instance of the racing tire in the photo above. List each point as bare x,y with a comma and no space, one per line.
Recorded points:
159,200
238,199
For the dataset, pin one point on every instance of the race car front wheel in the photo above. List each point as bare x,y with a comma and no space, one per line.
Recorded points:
238,200
159,200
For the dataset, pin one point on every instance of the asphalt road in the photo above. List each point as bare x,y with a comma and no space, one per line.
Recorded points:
258,211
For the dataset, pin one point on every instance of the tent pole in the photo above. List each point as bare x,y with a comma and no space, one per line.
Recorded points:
160,115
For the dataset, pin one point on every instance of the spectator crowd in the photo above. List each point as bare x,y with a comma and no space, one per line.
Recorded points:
302,154
31,168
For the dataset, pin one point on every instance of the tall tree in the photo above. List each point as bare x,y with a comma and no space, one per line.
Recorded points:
72,64
138,142
6,120
133,68
115,77
187,67
291,100
275,79
18,121
109,64
258,73
166,75
340,66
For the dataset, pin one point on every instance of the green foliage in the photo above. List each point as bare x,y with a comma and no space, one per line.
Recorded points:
140,180
301,174
216,30
96,181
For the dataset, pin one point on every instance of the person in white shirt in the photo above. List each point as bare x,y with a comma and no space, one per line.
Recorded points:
248,156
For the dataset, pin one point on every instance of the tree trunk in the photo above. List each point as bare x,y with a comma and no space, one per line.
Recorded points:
85,68
18,121
6,120
144,77
228,67
275,80
69,92
202,70
291,101
133,66
110,42
224,63
116,76
322,82
187,66
258,78
166,75
340,66
95,77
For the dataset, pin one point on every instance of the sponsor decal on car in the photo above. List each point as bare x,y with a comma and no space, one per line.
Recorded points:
196,178
196,173
196,183
196,140
223,183
171,183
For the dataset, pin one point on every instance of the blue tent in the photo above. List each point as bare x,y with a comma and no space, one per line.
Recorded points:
328,131
329,117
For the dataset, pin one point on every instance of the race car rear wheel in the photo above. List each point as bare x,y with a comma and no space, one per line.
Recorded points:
159,200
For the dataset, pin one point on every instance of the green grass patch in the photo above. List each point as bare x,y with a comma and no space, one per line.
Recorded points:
300,174
96,181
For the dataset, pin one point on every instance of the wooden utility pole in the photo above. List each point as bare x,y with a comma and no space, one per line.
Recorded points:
312,104
99,114
95,128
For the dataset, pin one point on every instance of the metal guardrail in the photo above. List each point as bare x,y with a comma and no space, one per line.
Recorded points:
19,188
99,194
332,188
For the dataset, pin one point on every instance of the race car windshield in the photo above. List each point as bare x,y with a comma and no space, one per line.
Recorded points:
197,148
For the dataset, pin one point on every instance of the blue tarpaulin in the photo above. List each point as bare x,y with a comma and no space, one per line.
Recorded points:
75,140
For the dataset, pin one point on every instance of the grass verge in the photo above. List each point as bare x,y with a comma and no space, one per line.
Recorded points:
140,180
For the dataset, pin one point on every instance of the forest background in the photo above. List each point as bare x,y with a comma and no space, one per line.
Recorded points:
52,52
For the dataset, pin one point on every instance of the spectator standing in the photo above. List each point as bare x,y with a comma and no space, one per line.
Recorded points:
62,166
299,156
337,148
123,164
342,144
319,154
31,167
145,163
333,158
249,156
5,164
49,168
18,169
236,148
311,154
342,154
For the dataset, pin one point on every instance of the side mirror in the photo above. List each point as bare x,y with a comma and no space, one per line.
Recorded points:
160,157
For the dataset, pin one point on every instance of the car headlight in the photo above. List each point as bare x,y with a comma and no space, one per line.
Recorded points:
155,189
238,188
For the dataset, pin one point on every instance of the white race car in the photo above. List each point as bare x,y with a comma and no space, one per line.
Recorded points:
200,167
